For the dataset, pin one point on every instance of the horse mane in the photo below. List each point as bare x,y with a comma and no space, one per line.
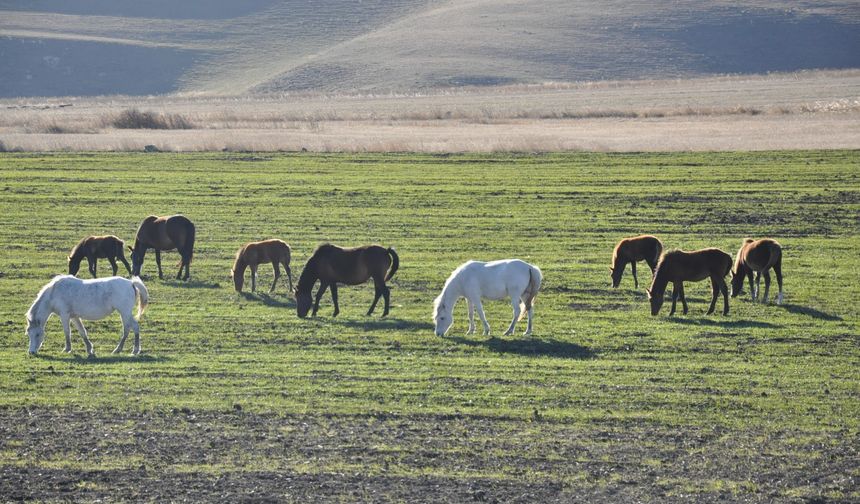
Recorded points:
451,277
239,260
78,247
40,297
736,267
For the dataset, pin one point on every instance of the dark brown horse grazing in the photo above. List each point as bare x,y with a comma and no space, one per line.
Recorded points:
759,257
632,250
253,254
352,266
679,266
164,233
94,248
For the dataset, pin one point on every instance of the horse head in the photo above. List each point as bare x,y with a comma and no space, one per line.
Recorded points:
36,333
303,303
443,317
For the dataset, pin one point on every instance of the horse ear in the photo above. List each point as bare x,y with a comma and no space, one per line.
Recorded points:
611,269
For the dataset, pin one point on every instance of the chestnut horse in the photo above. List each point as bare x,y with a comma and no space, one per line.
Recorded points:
631,250
679,266
759,257
164,233
331,265
253,254
94,248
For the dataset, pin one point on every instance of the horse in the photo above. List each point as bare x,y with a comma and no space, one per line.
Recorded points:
73,299
252,254
759,257
631,250
492,280
94,248
678,266
331,265
164,233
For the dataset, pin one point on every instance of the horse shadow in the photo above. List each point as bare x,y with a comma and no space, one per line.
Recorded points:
192,284
810,312
528,347
385,324
269,300
108,359
723,323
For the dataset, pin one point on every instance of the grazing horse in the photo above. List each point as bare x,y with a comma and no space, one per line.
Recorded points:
492,280
679,266
253,254
164,233
331,265
94,248
759,257
73,299
631,250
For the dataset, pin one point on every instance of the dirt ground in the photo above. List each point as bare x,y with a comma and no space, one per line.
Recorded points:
238,456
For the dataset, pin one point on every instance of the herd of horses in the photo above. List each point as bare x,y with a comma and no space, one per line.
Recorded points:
74,300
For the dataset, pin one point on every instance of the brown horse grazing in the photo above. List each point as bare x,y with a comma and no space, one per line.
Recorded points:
164,233
759,257
94,248
632,250
679,266
352,266
253,254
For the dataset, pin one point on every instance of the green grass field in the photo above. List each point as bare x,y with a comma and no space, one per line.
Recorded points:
234,397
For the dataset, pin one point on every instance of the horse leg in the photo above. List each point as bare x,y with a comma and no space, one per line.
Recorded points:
289,276
480,308
186,258
471,308
777,268
682,296
766,286
253,278
675,292
126,327
182,265
277,269
633,268
125,263
531,312
135,326
378,287
715,292
91,263
386,296
334,299
757,284
320,292
68,333
113,265
158,263
753,293
725,290
83,331
515,302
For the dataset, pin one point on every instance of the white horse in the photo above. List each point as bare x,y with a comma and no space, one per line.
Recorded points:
73,299
473,280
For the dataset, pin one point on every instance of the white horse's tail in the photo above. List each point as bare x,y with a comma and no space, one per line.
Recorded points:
530,294
142,294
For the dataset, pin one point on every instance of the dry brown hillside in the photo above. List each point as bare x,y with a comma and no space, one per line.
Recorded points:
90,47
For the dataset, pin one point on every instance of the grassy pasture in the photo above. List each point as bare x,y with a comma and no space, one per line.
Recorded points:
235,397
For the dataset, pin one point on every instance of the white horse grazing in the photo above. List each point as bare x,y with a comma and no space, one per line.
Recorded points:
473,280
73,299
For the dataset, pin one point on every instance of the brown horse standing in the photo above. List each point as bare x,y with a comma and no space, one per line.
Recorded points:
94,248
164,233
679,266
759,257
253,254
352,266
631,250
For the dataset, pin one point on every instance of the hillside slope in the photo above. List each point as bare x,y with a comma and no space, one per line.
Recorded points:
50,48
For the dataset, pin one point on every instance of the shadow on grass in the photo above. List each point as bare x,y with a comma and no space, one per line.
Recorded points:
192,284
810,312
528,346
722,323
269,300
384,324
107,359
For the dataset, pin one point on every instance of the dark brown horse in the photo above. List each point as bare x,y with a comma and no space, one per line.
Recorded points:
164,233
679,266
253,254
631,250
94,248
759,257
331,265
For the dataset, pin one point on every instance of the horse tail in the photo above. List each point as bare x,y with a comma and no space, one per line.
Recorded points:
395,263
535,279
141,293
658,251
189,243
